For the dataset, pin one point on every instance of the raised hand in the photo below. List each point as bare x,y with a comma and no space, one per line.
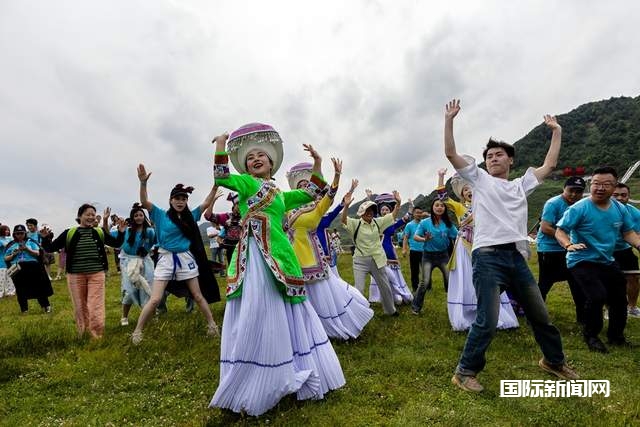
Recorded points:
442,172
452,109
107,212
347,199
551,122
219,192
369,193
312,152
354,185
337,165
396,196
122,224
143,176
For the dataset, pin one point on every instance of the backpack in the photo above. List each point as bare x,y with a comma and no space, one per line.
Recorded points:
355,234
72,231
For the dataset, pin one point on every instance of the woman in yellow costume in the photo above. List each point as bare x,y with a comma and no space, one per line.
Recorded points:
342,309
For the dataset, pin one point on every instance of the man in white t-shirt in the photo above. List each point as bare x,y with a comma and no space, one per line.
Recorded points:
499,249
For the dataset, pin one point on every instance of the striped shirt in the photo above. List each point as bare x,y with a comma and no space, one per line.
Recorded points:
86,258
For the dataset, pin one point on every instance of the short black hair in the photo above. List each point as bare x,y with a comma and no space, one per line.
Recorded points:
494,143
623,185
603,170
32,221
83,208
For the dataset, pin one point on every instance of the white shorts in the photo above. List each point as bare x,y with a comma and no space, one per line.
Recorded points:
170,266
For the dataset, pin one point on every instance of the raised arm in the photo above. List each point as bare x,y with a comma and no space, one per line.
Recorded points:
441,173
210,200
143,176
396,209
317,160
106,214
348,198
551,159
451,110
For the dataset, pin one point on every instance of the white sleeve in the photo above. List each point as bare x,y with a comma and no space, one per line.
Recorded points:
529,181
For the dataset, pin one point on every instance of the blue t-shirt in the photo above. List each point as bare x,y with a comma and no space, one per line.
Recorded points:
597,228
410,231
622,244
23,256
147,242
35,236
4,241
551,213
440,235
168,234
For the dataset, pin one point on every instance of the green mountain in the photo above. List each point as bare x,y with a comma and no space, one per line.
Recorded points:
594,134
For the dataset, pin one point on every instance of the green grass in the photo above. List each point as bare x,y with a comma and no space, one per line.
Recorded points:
398,372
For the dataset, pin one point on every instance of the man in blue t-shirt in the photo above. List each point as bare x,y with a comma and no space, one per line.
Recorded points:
588,231
551,256
409,244
623,253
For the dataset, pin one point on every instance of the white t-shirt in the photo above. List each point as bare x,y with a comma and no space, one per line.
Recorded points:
499,207
213,241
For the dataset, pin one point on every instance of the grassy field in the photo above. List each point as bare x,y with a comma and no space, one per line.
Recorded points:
398,372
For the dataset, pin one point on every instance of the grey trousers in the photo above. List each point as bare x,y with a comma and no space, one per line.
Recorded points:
365,265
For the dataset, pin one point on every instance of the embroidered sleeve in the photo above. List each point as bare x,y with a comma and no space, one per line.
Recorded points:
221,165
315,187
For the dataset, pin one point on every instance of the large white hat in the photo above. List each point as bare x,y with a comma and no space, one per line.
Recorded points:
254,136
299,172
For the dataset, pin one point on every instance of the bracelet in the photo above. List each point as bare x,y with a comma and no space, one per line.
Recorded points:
567,245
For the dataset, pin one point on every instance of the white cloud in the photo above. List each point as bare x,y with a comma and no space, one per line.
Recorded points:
90,89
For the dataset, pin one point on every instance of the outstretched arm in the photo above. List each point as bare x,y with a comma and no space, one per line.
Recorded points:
143,176
451,110
551,160
396,209
348,198
317,160
441,173
210,200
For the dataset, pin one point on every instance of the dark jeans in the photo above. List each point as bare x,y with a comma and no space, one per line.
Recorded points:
228,249
415,264
553,268
494,270
431,260
24,302
602,284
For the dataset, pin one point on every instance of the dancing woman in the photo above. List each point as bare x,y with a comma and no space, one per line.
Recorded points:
273,343
461,297
401,293
180,250
342,309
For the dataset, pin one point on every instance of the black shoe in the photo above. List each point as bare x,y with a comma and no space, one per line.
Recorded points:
595,344
396,313
620,342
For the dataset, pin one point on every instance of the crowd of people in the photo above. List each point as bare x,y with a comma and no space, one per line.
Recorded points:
286,299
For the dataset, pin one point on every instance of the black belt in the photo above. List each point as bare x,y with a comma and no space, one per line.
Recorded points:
505,247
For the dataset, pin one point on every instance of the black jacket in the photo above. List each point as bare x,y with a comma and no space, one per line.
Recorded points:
61,242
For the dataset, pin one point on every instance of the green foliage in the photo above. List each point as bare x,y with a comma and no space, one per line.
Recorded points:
594,134
398,372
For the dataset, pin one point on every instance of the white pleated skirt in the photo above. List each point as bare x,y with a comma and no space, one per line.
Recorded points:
399,289
462,303
342,309
271,348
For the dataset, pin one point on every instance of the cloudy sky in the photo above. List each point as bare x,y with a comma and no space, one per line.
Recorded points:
90,89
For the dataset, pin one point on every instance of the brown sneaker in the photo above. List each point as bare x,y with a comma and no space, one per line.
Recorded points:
467,383
563,371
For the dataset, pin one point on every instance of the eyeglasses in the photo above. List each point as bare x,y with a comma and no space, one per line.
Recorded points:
603,185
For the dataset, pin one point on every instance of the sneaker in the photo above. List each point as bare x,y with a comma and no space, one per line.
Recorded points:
595,344
212,330
189,305
415,313
124,321
563,371
136,337
467,383
605,314
633,312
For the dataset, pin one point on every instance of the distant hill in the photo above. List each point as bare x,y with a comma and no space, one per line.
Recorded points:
594,134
